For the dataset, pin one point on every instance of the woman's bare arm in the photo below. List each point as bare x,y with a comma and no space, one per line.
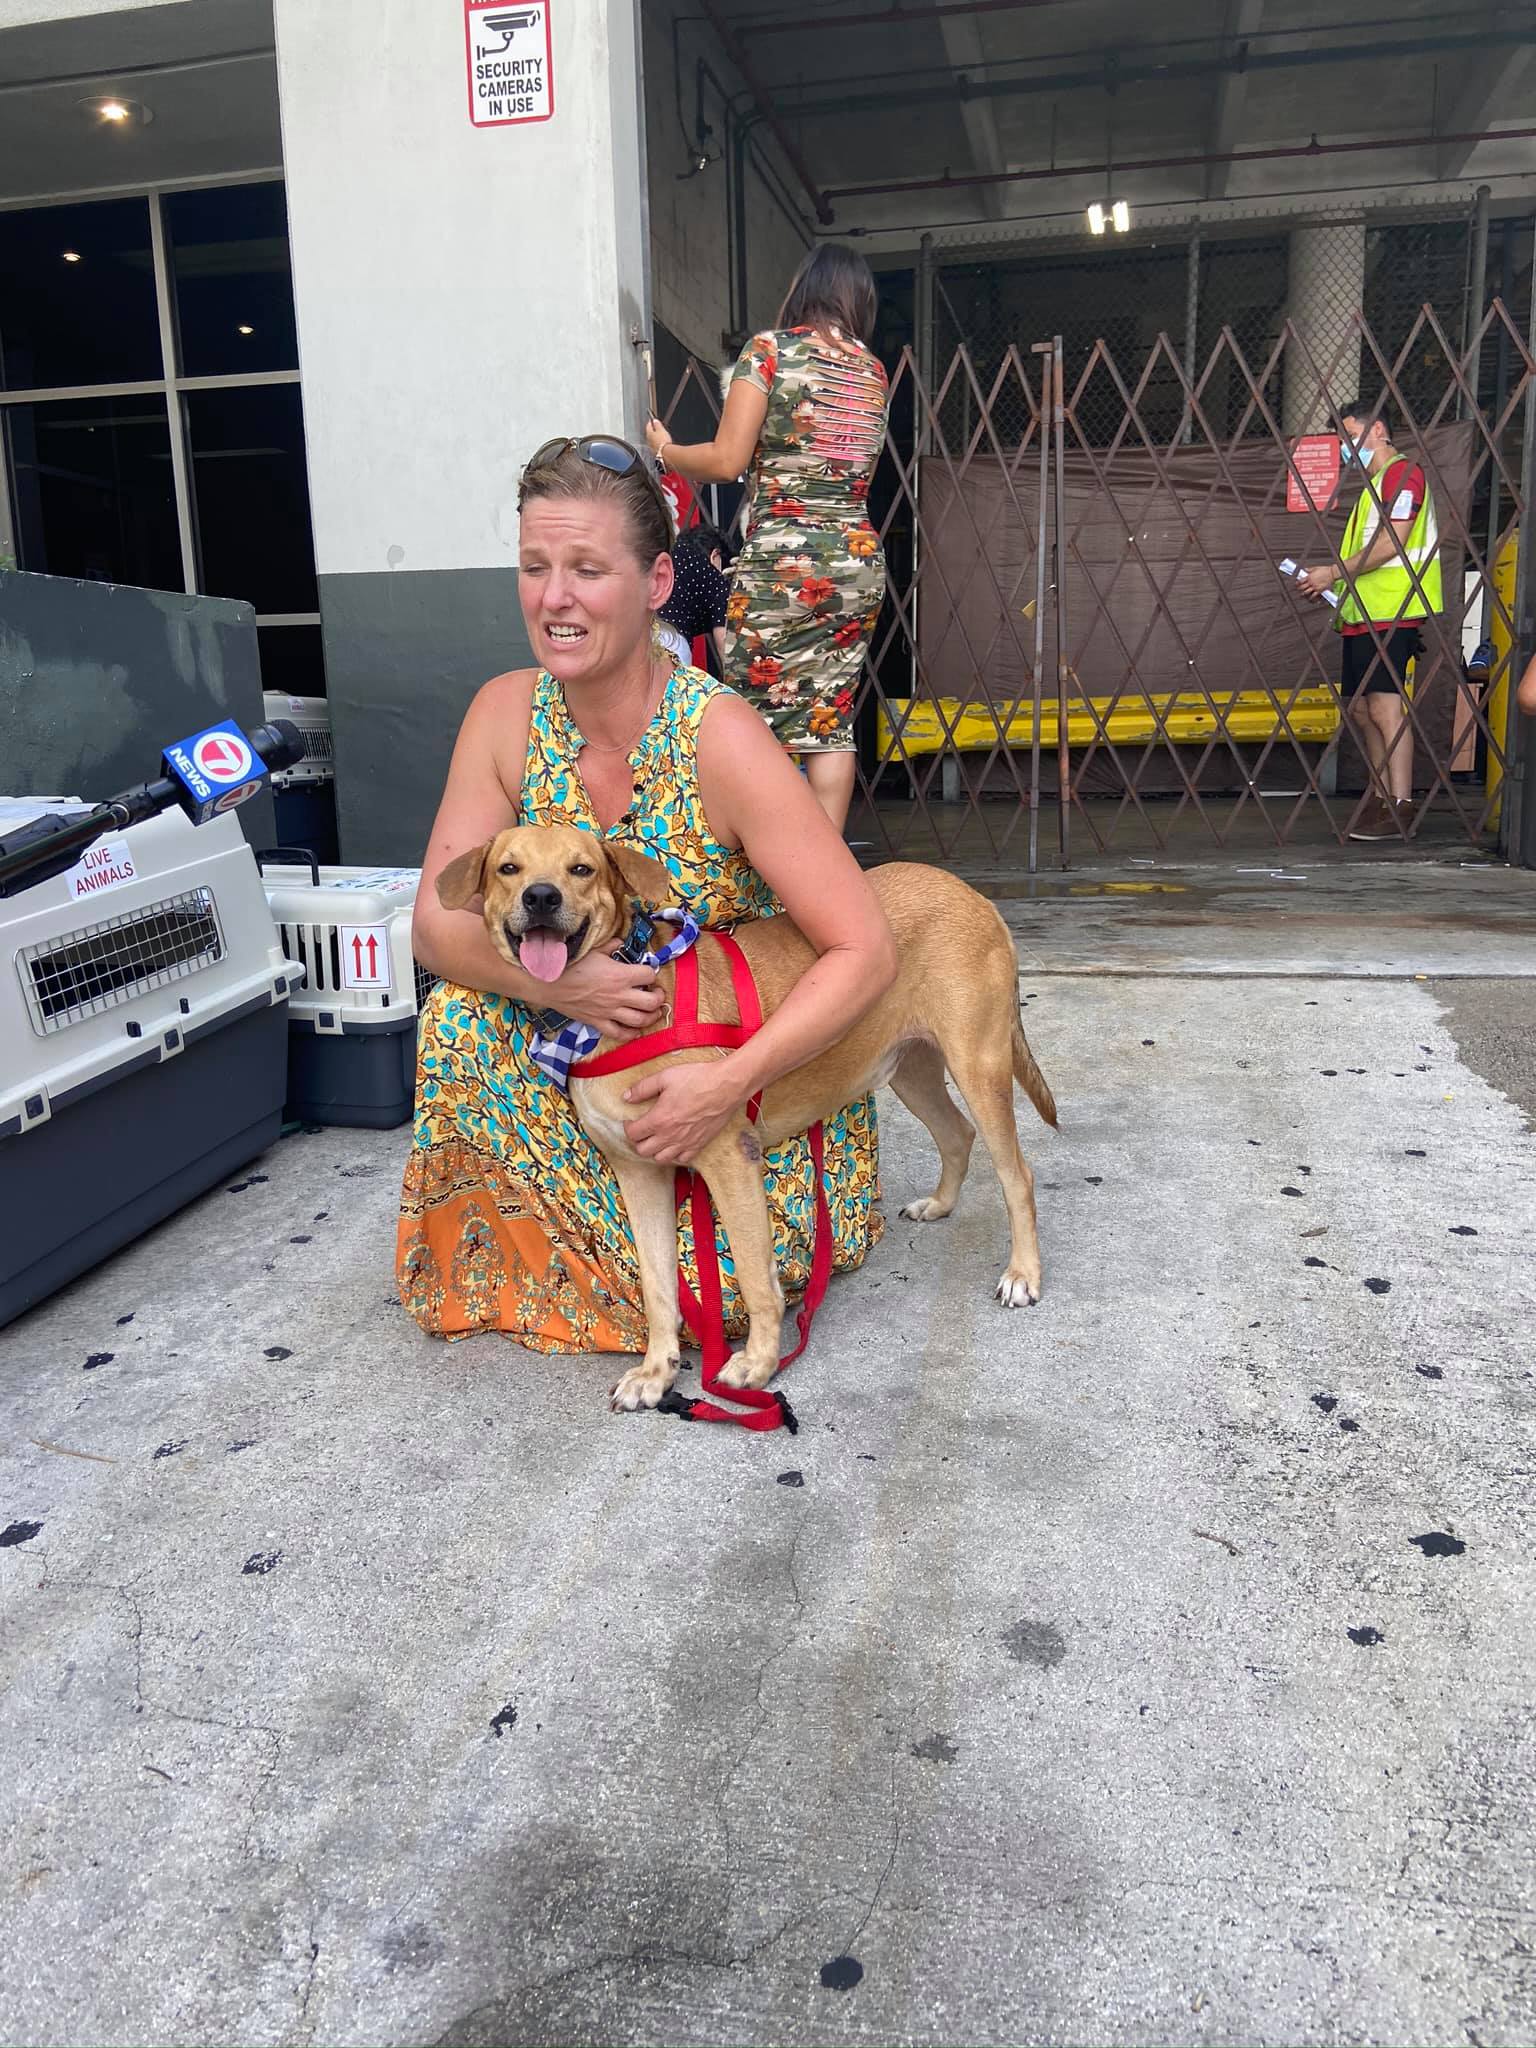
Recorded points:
724,459
755,798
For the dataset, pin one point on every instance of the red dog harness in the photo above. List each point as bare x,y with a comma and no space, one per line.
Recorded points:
705,1314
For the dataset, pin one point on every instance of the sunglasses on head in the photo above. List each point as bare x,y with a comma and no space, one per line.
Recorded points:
601,451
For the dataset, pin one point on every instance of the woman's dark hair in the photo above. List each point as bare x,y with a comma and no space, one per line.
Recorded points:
833,286
569,475
702,540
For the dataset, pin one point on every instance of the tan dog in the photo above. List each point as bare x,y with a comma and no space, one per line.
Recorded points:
553,893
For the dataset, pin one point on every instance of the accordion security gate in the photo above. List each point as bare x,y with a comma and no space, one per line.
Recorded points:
1087,646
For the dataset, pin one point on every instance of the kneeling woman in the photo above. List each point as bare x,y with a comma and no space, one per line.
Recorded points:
510,1218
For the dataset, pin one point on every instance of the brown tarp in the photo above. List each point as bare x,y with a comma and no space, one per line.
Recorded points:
1170,582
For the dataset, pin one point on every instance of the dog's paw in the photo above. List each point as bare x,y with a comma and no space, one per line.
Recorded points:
740,1371
642,1386
925,1209
1014,1291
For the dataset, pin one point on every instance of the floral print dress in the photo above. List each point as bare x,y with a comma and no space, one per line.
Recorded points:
510,1218
808,584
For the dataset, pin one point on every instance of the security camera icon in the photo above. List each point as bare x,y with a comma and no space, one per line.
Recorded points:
507,24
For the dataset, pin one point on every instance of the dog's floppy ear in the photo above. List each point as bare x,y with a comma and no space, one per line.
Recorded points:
642,876
459,882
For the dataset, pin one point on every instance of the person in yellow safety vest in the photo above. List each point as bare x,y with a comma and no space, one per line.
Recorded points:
1388,577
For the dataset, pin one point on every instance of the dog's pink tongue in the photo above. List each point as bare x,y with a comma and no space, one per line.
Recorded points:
543,954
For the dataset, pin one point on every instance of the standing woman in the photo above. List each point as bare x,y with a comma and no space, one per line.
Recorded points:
807,410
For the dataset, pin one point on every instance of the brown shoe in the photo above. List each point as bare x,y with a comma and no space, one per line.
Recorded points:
1407,815
1377,821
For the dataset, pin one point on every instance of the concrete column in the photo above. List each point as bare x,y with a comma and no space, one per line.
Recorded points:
1324,291
463,293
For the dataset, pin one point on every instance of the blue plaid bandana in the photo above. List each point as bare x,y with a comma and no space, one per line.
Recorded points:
559,1042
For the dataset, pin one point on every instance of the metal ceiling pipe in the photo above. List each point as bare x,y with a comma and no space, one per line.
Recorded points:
730,42
177,64
1175,163
888,17
1112,74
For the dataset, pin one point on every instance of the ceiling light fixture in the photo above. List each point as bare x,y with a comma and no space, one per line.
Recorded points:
246,330
71,255
112,110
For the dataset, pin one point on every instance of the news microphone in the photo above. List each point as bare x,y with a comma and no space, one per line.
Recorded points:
214,771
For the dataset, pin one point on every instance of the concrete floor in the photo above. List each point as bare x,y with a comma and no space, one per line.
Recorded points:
1154,1666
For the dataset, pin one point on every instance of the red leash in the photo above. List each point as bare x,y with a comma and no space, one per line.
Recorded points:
704,1314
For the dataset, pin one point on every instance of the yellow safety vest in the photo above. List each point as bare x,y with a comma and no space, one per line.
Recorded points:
1386,595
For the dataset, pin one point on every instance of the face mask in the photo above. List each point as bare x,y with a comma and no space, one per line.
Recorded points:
1356,451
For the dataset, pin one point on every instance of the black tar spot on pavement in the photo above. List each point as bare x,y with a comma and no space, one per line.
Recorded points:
790,1479
1438,1544
239,1187
243,1444
936,1749
260,1563
125,1319
841,1974
277,1351
1365,1637
169,1450
1315,1262
19,1532
301,1240
506,1719
1034,1642
1413,1152
1429,1372
1379,1286
1348,1424
1290,1191
1462,1230
1327,1402
98,1358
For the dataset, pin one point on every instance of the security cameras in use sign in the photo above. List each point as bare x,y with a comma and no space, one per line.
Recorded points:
511,61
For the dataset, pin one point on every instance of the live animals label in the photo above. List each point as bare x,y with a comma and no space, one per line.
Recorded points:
106,865
510,54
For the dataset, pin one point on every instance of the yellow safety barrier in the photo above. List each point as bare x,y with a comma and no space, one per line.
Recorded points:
930,725
1502,671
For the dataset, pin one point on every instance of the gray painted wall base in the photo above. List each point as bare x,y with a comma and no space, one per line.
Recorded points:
96,679
405,651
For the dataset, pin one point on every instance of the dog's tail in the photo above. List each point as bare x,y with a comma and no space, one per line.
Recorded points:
1029,1076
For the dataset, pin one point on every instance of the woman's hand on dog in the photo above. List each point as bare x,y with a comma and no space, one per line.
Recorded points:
687,1107
614,997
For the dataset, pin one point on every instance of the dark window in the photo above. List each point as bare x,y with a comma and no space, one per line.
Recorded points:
228,254
251,497
77,296
292,660
91,479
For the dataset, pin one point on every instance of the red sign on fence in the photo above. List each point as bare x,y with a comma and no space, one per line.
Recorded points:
1311,485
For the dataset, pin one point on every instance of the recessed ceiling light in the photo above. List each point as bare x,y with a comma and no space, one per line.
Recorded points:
247,330
71,255
112,110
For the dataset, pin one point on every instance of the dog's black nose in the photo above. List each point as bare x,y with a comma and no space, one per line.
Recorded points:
541,899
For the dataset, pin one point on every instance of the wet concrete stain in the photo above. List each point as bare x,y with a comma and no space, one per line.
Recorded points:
169,1450
260,1562
1438,1543
936,1749
1379,1286
98,1358
841,1974
277,1351
506,1719
1040,1643
1327,1402
1366,1637
19,1532
791,1478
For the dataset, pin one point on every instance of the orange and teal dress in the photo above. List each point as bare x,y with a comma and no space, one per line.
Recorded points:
510,1217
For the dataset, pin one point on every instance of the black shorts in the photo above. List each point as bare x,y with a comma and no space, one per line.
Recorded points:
1365,666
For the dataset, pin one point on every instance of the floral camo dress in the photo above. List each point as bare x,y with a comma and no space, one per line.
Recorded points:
808,584
510,1219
